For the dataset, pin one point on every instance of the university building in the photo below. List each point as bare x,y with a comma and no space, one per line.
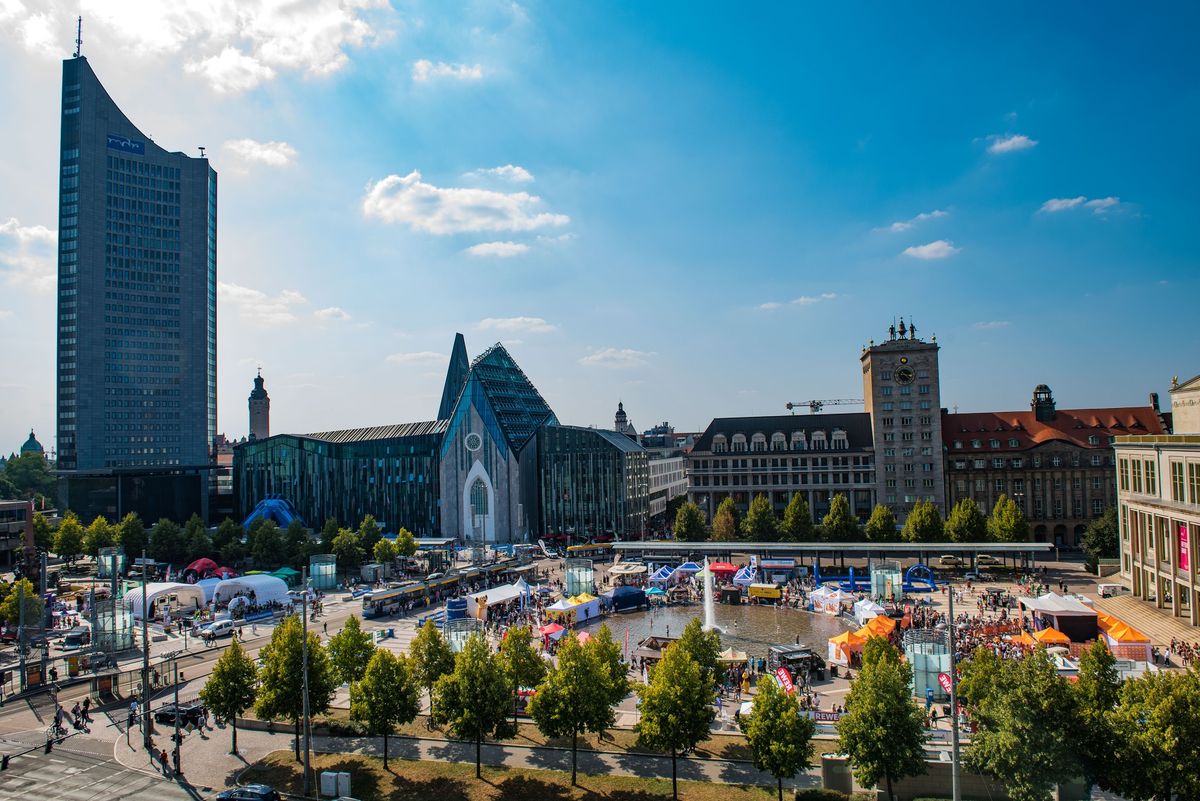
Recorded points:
1158,491
496,466
1056,464
137,313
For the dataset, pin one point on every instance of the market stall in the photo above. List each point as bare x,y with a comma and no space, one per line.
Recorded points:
830,600
878,626
746,576
844,646
865,610
165,597
260,589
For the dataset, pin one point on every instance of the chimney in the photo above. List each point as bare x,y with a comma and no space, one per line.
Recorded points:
1154,401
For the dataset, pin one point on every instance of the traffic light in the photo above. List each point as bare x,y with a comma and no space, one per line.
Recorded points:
4,762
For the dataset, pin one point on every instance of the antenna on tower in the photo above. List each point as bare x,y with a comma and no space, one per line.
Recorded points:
78,36
202,152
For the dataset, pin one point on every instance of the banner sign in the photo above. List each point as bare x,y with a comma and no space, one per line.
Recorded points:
1185,561
785,679
944,680
823,717
126,145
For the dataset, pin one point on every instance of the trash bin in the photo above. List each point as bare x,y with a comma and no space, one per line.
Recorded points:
832,672
821,673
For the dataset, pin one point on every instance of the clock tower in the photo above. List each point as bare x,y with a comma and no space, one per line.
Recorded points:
903,397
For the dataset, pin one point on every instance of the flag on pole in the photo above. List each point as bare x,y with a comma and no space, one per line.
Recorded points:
627,643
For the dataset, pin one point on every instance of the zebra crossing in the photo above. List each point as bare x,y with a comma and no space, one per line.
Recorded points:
80,772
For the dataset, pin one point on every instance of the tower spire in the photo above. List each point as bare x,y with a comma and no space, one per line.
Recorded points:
78,36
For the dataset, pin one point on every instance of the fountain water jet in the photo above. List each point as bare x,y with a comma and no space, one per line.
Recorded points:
710,612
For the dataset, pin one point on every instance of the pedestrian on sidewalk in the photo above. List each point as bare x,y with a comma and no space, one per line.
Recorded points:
162,761
87,706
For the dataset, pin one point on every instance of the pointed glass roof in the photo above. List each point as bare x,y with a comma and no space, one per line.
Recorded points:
456,376
518,406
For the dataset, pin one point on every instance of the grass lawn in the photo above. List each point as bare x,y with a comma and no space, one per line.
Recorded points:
446,781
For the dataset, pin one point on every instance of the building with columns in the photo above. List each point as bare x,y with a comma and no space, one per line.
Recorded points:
1158,492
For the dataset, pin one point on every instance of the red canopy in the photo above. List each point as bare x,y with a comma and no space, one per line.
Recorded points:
202,565
583,637
722,567
224,572
553,628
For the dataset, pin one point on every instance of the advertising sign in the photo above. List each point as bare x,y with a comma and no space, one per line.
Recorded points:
785,679
944,680
1184,558
126,145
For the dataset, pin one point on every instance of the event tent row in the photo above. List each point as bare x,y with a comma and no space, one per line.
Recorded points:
260,588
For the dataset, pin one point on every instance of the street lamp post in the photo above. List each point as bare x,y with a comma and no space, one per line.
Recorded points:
145,661
304,663
954,788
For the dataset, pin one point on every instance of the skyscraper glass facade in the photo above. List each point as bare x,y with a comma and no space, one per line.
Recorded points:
592,482
137,286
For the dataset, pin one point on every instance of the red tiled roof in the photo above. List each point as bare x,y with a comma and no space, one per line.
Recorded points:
1072,426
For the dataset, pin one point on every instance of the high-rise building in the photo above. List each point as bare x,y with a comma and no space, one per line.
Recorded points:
260,410
137,311
903,397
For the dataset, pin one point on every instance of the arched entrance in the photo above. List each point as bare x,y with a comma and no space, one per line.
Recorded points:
1060,535
1039,533
479,505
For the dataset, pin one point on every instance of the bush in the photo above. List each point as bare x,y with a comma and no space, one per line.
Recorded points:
821,794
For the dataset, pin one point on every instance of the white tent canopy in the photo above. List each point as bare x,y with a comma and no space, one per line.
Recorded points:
867,609
165,595
1056,604
499,595
266,589
209,585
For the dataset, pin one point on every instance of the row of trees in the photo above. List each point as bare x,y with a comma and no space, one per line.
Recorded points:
263,542
966,523
1035,729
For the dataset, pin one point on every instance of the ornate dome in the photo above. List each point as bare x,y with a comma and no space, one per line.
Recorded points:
32,445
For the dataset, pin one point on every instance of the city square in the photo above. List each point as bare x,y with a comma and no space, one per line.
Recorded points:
920,520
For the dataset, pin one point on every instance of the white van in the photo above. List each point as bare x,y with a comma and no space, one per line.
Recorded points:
218,628
1109,590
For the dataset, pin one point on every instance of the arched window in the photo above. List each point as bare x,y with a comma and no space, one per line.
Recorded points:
799,442
739,443
778,441
758,442
479,498
818,440
719,444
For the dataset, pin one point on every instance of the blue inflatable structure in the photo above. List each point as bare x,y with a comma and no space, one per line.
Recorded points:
274,508
847,583
919,578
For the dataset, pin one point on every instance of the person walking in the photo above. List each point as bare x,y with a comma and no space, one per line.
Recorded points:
162,761
87,706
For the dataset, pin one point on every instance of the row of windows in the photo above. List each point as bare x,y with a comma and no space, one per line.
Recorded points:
908,421
1130,474
1018,463
1013,442
906,406
907,452
816,462
907,436
784,479
1185,482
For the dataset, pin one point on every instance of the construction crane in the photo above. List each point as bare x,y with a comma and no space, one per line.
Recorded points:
815,406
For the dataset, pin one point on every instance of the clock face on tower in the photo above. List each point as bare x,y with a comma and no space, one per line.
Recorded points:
904,375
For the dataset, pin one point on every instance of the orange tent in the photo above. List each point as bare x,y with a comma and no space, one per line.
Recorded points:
1048,636
844,644
1024,639
879,626
1124,633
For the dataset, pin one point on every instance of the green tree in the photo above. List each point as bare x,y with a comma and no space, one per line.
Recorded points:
614,673
43,534
1156,725
299,544
369,533
881,527
281,677
797,523
166,541
329,533
570,700
231,687
1101,538
30,474
350,650
522,663
1007,523
406,543
10,603
131,535
760,523
68,540
472,700
385,696
725,523
984,674
883,731
839,525
197,543
8,490
923,524
269,549
385,552
347,548
779,736
100,534
1026,737
966,522
676,707
431,655
1096,693
227,533
689,523
705,648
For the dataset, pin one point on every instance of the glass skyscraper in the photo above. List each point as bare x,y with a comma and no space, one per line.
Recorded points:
137,308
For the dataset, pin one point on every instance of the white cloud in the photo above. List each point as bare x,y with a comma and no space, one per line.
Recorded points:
231,70
990,325
453,210
332,313
416,357
1099,205
904,225
616,358
770,305
938,249
271,154
1056,204
1010,143
27,255
234,44
808,300
509,172
528,325
425,69
5,314
551,240
259,308
503,250
1102,204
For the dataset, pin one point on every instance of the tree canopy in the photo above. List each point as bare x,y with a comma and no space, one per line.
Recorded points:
1156,727
689,523
882,525
385,697
705,648
725,523
676,708
406,543
281,681
923,524
473,699
348,548
10,606
797,525
523,665
966,522
68,539
760,523
779,735
369,533
166,541
131,535
231,687
1007,522
1102,537
431,656
839,525
350,650
100,534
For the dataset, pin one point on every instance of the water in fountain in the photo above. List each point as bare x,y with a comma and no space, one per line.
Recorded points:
710,612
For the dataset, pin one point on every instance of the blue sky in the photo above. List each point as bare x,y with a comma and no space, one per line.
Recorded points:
698,210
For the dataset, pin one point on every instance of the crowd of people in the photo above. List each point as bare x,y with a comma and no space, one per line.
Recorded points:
1188,652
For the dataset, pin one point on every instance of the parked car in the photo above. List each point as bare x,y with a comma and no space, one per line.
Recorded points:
188,713
984,559
218,628
76,638
251,792
972,576
950,560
